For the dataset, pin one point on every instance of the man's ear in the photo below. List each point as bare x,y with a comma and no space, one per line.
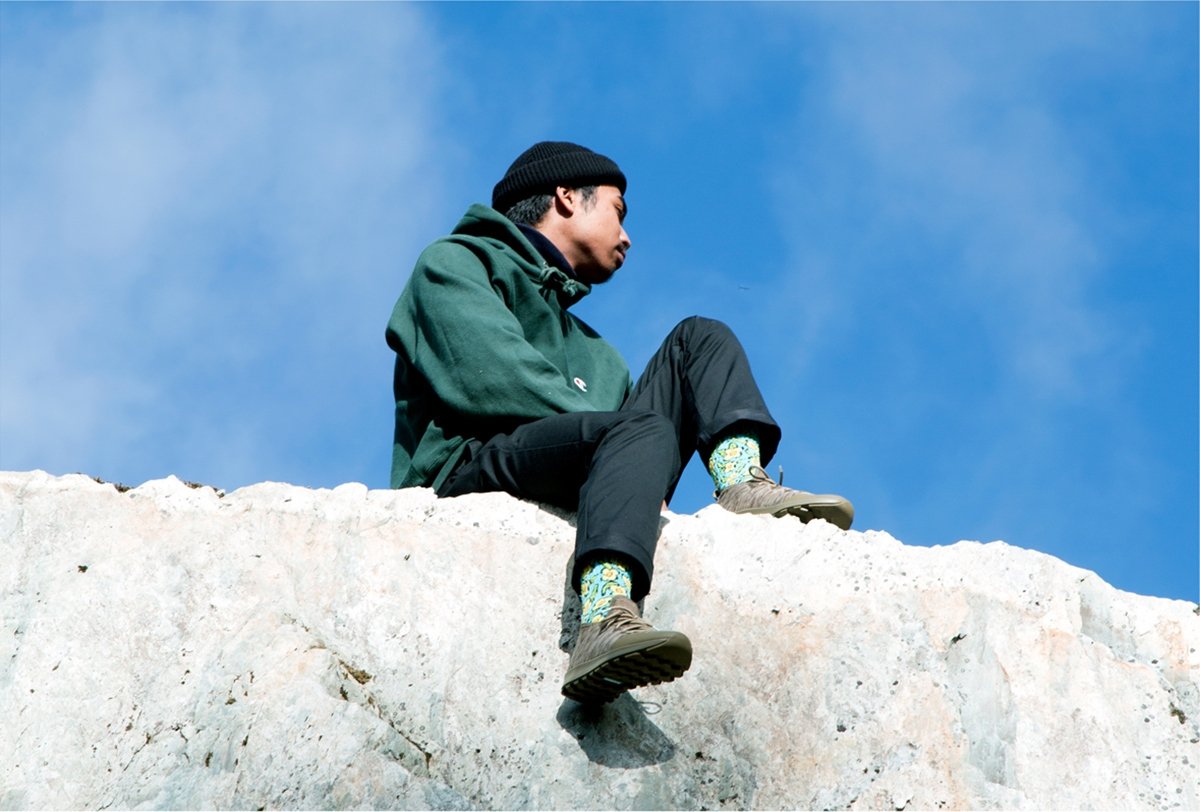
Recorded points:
566,200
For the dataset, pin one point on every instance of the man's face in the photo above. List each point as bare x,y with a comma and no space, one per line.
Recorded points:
598,239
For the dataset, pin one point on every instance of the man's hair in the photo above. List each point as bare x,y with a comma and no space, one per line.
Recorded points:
532,209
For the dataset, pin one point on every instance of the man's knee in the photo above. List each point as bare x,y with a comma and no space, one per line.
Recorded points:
649,438
695,328
650,427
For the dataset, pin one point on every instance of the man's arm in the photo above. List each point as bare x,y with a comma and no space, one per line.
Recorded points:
471,348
